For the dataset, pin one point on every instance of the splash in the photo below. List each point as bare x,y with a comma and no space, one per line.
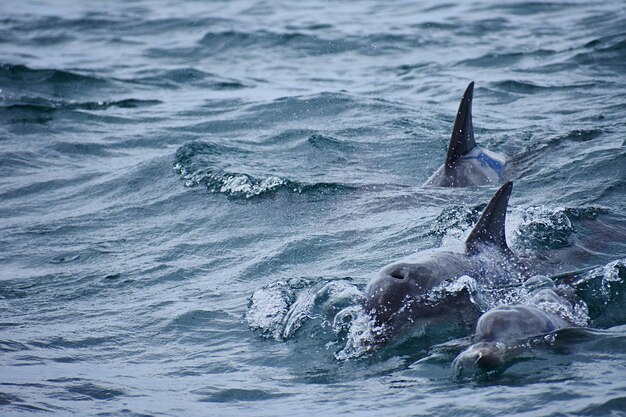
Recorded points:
543,228
603,285
361,333
268,309
232,184
217,168
611,275
456,221
280,309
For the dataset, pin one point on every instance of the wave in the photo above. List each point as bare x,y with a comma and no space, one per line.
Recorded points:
279,310
530,8
19,79
98,23
245,185
222,42
533,228
494,60
210,165
329,143
238,394
454,221
298,43
16,73
44,105
544,228
521,87
609,51
310,44
186,76
38,96
89,391
290,113
603,289
302,107
39,110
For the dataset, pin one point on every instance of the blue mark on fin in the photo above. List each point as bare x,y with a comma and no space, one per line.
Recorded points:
487,161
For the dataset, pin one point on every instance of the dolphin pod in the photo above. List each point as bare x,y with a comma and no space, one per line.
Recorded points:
400,296
467,163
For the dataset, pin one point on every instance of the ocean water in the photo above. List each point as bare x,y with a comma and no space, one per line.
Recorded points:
194,195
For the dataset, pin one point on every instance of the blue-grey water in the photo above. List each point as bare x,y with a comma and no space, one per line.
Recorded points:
193,196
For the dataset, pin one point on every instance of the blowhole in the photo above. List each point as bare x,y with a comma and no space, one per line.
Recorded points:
397,274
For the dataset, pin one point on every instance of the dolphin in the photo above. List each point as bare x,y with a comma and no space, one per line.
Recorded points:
401,295
502,333
467,164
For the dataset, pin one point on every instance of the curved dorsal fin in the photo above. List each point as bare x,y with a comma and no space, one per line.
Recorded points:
462,140
489,229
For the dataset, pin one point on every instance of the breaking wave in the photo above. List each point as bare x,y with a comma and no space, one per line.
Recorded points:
211,166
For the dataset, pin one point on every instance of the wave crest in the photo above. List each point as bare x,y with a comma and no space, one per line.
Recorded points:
211,165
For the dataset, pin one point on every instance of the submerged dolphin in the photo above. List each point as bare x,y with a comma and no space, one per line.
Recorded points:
467,164
400,295
503,332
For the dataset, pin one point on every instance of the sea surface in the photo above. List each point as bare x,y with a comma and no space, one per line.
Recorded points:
193,196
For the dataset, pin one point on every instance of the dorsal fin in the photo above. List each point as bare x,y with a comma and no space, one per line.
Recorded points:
462,140
489,229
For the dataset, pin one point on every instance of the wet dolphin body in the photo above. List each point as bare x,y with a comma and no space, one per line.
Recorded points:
500,335
502,332
467,164
400,295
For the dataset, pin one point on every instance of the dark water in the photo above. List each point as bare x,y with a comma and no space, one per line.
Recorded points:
164,161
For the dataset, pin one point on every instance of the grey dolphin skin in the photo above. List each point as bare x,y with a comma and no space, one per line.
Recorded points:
500,335
399,296
503,332
467,164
